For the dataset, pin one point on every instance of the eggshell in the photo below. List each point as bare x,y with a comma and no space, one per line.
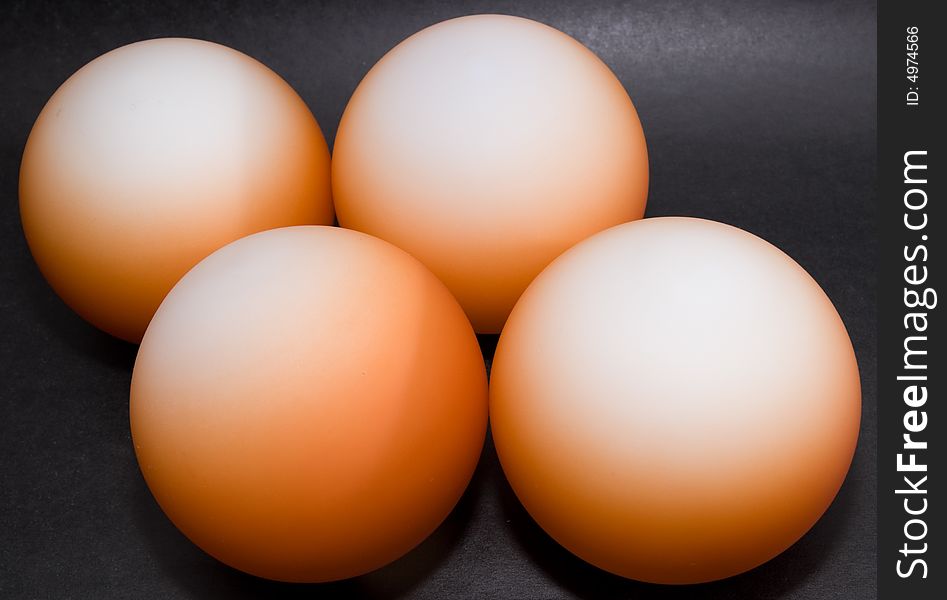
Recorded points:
151,157
485,146
308,404
675,400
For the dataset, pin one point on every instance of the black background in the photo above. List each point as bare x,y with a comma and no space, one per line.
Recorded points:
758,114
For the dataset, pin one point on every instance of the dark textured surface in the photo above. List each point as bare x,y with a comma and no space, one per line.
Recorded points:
757,114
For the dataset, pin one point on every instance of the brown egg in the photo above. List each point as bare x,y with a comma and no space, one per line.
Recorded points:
154,155
675,400
308,404
485,146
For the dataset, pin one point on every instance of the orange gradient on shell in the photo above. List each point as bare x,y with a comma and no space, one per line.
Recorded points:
308,404
675,400
154,155
485,146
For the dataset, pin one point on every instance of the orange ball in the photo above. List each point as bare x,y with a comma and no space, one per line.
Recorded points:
308,404
151,157
675,400
485,146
